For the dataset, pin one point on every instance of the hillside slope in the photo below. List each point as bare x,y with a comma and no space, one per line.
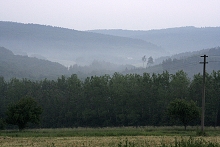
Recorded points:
17,66
20,66
68,46
189,63
174,40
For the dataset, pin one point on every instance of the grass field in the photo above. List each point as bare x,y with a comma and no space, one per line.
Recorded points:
111,137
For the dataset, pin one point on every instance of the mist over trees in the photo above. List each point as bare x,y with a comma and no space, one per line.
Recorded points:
189,62
18,66
174,40
25,67
70,47
102,85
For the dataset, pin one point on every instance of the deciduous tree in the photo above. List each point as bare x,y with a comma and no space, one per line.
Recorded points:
150,61
24,111
183,110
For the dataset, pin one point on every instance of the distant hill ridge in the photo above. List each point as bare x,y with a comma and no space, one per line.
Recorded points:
95,52
174,40
189,62
5,52
61,44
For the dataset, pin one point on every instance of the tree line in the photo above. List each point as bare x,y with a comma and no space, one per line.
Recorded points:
117,100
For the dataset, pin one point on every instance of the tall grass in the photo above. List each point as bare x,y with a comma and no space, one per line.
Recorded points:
191,142
120,141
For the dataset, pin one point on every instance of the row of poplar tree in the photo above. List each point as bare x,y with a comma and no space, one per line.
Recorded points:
116,100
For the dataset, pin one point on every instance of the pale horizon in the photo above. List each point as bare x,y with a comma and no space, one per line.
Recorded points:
115,14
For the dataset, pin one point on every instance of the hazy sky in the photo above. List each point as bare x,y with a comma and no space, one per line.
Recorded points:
113,14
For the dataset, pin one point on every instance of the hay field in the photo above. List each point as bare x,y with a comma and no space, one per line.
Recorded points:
94,141
107,137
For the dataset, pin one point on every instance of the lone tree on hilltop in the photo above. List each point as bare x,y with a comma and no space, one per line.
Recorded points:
150,61
144,59
24,111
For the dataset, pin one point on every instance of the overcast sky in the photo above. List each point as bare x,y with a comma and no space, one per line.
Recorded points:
113,14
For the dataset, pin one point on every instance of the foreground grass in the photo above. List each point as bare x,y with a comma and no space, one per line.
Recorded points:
111,137
124,141
119,131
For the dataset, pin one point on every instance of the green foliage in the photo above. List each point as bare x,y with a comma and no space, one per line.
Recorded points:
201,133
24,111
183,110
108,131
179,85
2,124
117,100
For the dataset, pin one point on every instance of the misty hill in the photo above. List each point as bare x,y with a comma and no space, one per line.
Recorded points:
18,66
98,68
174,40
68,46
37,69
188,62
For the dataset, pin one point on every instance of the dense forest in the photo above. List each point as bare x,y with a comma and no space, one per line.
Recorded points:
117,100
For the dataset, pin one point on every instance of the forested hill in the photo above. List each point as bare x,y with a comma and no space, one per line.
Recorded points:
37,69
69,46
174,40
17,66
22,66
189,62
